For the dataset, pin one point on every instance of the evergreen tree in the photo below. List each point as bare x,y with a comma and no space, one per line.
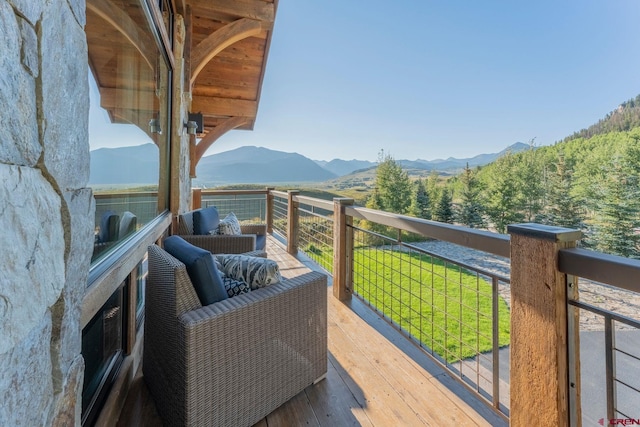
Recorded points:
530,179
433,190
470,210
420,204
617,209
563,209
392,185
503,196
444,208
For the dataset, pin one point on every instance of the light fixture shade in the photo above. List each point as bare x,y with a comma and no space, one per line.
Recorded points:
192,127
154,126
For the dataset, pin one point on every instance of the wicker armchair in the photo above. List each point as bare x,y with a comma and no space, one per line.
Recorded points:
233,362
253,237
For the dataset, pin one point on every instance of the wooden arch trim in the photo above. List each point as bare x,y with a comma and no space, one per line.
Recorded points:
217,132
119,19
220,40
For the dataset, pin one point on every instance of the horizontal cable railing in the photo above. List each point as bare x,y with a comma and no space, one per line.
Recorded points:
606,318
497,244
315,234
457,313
247,205
280,208
143,204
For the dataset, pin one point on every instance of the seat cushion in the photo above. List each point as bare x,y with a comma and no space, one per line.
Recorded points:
254,271
261,242
202,271
205,220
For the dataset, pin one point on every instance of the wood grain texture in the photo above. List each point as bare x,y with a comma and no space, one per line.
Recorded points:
539,370
220,40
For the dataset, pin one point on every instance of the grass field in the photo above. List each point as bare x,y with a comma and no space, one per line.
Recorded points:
447,308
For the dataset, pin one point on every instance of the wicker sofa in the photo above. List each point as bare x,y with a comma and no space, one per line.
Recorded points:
253,236
233,362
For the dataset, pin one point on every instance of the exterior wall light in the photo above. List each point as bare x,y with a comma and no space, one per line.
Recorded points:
154,126
192,127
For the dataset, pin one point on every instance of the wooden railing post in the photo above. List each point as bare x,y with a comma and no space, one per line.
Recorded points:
269,212
292,222
196,198
342,249
539,385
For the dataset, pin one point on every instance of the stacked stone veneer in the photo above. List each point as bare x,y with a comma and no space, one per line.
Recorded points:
46,210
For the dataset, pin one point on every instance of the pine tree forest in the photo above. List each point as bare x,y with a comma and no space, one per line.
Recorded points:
588,183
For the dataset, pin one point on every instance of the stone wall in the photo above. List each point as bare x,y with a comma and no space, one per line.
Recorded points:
46,210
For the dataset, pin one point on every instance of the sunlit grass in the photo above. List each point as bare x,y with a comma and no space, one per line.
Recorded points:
445,307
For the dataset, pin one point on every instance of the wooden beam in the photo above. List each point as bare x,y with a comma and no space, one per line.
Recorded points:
539,359
220,40
216,133
120,20
252,9
342,249
215,106
111,99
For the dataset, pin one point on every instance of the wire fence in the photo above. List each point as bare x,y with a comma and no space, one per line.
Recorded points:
280,208
315,235
457,313
246,207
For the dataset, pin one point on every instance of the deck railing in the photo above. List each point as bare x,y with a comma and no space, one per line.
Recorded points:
600,333
458,312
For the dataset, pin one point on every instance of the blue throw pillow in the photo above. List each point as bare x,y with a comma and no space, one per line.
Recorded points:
201,269
261,242
205,220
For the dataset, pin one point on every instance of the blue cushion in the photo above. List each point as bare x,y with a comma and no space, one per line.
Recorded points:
108,227
205,220
261,242
201,269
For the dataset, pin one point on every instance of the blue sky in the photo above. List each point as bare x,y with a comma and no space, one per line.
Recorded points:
433,79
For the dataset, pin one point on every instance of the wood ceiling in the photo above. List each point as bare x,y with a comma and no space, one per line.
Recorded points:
225,54
229,45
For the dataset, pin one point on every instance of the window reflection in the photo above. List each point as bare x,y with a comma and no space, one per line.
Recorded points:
128,124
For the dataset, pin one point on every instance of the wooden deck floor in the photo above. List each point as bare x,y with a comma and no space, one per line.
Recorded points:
376,377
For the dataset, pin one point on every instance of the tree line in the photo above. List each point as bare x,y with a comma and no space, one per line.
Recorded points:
591,184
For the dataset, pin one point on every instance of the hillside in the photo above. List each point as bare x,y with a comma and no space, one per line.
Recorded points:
247,165
125,165
623,118
259,165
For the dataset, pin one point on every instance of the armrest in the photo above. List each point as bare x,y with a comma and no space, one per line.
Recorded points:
265,346
218,244
260,229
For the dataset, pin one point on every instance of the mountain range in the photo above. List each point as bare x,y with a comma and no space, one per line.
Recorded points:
139,165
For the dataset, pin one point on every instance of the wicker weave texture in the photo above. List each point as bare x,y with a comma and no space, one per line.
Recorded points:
233,362
221,244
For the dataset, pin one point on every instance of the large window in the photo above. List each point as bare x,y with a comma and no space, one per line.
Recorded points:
129,120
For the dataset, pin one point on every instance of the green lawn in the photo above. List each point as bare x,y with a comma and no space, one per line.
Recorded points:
447,308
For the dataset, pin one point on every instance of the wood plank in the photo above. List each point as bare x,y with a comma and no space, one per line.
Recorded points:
333,402
121,20
254,9
382,403
219,40
128,99
424,389
296,412
215,106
